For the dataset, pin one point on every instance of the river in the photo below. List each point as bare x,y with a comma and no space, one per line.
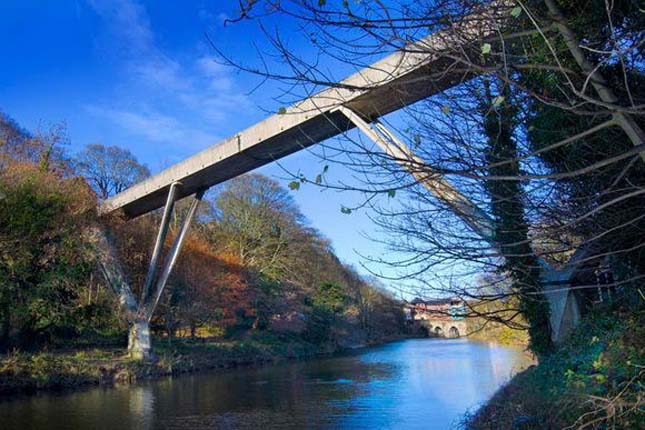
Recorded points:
411,384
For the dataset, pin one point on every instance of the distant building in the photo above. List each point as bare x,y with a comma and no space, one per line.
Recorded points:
450,309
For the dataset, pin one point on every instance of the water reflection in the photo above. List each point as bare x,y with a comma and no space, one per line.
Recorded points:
404,385
142,405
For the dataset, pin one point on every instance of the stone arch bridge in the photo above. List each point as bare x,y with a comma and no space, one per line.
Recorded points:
437,318
440,328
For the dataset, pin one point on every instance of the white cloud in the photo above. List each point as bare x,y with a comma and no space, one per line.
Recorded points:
212,19
154,126
165,99
218,75
127,27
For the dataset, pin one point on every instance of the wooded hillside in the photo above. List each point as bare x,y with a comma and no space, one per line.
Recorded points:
252,264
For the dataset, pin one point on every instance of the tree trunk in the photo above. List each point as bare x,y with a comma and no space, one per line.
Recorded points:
139,345
510,227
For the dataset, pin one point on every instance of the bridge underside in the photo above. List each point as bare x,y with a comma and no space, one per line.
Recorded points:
274,138
396,81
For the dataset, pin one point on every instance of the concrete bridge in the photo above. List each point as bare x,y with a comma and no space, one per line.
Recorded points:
400,79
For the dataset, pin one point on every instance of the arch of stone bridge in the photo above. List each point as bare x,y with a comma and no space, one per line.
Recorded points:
445,328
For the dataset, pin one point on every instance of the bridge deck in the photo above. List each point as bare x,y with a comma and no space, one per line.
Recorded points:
396,81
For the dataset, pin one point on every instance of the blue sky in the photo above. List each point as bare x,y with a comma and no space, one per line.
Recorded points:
141,75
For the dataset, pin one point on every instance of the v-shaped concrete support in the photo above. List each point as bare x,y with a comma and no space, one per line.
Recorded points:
139,314
161,238
147,307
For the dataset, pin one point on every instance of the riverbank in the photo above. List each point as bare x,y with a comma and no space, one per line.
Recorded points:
501,334
24,373
594,379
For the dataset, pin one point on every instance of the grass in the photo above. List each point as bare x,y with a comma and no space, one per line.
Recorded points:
26,372
594,381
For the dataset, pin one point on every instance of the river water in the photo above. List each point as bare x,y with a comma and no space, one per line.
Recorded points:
411,384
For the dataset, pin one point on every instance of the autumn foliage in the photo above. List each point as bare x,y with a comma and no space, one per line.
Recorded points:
47,275
250,266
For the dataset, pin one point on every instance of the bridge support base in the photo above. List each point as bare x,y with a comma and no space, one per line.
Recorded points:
139,343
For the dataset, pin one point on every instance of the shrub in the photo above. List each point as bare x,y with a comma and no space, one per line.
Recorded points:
45,264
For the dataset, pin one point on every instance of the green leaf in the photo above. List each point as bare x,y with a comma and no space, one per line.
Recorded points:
345,210
391,193
498,100
486,48
318,178
417,140
294,185
445,109
321,2
516,11
597,364
282,111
